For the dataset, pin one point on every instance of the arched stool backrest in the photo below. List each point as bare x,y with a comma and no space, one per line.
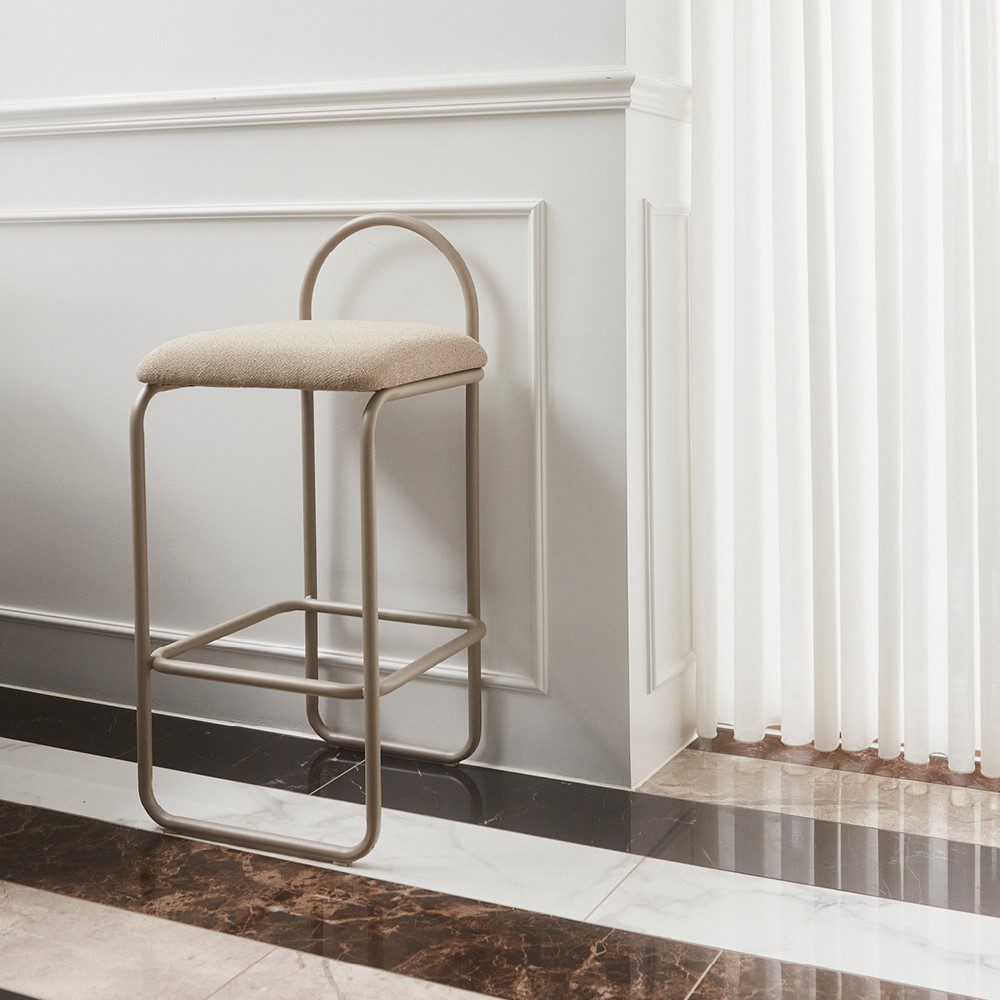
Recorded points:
429,233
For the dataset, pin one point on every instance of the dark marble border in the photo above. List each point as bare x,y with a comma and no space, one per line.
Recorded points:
859,761
496,950
865,860
68,723
238,753
858,859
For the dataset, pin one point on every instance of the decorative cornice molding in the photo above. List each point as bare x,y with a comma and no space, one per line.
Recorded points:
600,88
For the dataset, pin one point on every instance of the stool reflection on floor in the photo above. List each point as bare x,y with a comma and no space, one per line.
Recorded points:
392,361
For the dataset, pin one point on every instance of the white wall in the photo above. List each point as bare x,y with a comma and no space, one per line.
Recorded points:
126,221
68,49
661,655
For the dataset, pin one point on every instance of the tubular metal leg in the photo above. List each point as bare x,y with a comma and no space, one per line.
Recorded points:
140,556
309,547
472,573
472,578
369,626
371,688
239,836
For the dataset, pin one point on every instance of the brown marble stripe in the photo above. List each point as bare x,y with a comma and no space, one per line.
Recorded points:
496,950
491,949
858,761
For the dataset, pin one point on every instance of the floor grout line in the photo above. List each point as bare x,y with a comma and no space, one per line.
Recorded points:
257,961
701,978
612,890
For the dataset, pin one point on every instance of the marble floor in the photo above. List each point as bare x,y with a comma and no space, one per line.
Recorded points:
44,934
882,802
728,874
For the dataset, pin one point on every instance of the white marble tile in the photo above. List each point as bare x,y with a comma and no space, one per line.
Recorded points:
971,815
919,945
511,869
58,948
923,945
294,975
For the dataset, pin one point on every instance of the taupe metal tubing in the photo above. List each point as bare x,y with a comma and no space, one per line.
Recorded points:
425,385
429,233
472,475
372,704
310,581
140,559
304,685
254,678
470,380
424,663
222,832
372,687
390,614
472,572
223,629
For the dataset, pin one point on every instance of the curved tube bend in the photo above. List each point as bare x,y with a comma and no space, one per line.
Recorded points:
417,226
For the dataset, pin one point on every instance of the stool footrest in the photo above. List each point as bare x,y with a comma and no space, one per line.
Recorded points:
163,659
250,678
389,614
227,628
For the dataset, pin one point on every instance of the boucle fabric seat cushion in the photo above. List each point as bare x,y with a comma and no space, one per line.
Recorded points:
348,355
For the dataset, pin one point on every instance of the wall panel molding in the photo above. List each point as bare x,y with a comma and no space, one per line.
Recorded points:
658,673
531,209
274,650
533,213
600,88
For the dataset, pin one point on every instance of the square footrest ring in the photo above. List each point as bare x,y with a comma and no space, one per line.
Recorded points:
163,659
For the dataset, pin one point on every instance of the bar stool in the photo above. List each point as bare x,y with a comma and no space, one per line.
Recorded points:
392,361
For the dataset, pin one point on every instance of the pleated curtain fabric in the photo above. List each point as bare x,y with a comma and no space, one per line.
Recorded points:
845,373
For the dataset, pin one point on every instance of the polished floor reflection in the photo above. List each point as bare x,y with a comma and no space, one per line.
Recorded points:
514,885
723,816
931,809
859,761
445,939
254,903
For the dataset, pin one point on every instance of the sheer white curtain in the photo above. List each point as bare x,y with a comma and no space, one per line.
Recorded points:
845,328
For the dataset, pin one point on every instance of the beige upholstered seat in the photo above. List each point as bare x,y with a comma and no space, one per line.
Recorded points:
349,355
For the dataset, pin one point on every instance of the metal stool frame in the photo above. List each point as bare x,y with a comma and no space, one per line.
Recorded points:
373,687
